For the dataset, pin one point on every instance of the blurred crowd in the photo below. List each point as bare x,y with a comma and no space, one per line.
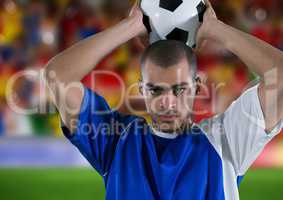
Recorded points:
33,31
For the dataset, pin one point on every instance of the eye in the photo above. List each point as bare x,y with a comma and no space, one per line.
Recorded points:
155,91
178,90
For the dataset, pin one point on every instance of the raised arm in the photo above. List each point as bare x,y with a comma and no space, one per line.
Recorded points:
259,57
64,72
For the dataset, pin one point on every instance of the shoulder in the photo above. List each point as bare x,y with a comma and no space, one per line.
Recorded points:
199,133
211,125
132,124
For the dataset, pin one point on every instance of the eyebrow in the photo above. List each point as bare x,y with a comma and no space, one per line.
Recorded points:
181,84
151,85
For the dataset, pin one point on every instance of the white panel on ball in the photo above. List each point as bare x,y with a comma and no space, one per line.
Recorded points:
174,19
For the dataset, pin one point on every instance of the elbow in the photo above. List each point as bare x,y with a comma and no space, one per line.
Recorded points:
51,72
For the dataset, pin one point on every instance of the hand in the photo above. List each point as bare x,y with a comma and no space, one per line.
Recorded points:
137,15
203,33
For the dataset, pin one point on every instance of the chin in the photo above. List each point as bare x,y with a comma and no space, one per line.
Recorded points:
167,126
170,129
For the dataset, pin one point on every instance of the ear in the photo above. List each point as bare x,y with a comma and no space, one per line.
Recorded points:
141,86
142,42
200,79
198,82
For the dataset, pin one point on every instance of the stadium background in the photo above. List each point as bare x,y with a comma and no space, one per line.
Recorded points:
36,162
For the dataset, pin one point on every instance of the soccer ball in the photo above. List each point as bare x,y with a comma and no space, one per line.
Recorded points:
173,19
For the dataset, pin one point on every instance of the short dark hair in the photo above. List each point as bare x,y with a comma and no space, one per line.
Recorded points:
165,53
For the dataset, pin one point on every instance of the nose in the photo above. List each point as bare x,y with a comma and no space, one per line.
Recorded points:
168,101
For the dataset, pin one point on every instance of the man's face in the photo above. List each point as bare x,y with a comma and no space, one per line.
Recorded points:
169,94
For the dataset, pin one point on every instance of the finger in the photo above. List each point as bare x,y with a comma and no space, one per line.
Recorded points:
198,47
211,12
203,44
134,7
135,4
140,43
138,3
207,3
209,9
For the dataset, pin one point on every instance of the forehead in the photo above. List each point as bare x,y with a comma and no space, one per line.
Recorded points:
174,74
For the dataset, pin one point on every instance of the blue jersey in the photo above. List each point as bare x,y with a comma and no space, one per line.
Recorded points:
204,162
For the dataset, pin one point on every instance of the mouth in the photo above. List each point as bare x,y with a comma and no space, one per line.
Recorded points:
169,118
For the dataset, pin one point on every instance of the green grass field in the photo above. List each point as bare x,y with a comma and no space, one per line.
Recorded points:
85,184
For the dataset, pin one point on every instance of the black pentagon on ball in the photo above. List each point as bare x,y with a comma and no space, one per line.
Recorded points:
178,34
201,7
146,22
171,5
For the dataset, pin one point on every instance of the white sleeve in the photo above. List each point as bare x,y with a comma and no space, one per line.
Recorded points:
239,133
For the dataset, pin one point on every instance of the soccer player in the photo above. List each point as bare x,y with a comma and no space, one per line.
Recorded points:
170,158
